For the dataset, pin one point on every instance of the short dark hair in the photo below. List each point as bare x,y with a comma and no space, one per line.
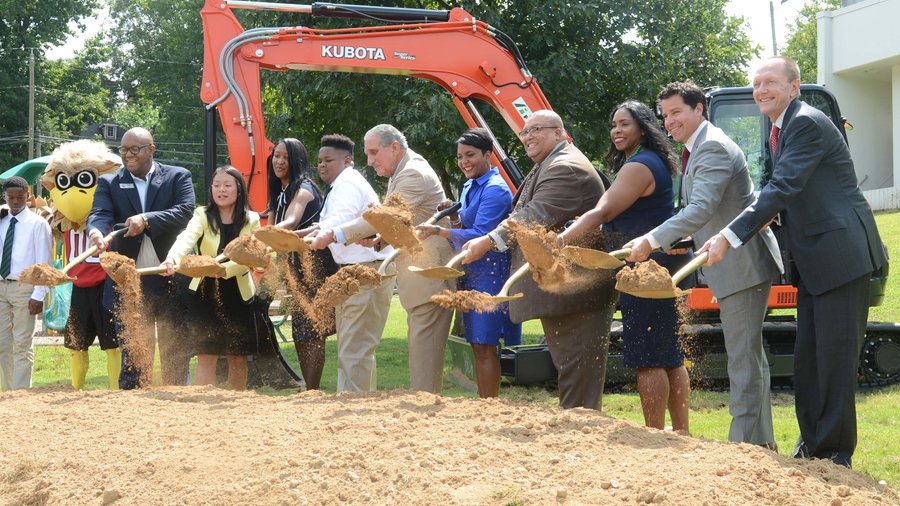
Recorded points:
15,182
689,92
478,138
338,141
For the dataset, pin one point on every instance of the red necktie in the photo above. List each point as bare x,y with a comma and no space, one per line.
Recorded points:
685,154
774,138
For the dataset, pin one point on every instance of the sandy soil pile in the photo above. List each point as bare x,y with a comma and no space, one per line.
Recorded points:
465,300
280,240
643,276
197,266
393,220
247,250
201,445
43,275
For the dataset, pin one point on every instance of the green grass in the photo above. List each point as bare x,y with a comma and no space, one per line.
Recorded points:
878,411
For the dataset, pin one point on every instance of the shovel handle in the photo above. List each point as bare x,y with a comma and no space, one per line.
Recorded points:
152,270
512,279
444,213
382,269
456,260
620,253
690,267
93,249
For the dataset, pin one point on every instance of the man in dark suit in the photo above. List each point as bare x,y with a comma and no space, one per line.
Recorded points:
562,185
155,202
834,242
715,188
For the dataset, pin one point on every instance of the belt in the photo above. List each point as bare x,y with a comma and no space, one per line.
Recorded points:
10,280
373,262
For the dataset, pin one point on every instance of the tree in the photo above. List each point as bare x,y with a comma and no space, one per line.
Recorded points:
802,41
27,26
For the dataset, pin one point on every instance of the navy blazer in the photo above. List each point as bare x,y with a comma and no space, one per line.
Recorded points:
831,231
170,204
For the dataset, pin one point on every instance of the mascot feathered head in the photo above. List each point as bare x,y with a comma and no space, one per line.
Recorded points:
71,178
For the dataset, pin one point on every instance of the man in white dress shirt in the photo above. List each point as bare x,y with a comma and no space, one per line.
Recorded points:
360,319
26,241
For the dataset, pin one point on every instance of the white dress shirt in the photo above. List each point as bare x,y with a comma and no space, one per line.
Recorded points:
32,243
350,196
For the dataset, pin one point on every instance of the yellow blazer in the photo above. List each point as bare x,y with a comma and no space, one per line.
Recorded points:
199,227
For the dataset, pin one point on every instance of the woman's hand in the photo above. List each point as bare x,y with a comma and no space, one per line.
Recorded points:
476,248
170,267
446,204
426,231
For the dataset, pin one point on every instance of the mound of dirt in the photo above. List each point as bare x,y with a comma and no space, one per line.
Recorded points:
465,300
393,220
43,275
201,445
248,250
644,276
198,266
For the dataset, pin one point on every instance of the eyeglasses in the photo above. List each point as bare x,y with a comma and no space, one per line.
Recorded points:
529,131
133,149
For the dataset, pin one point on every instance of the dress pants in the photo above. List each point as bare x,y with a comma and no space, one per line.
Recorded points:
826,356
163,317
16,334
742,316
578,345
429,328
360,323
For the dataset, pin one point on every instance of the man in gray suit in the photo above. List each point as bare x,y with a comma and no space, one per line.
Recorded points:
715,188
562,185
834,242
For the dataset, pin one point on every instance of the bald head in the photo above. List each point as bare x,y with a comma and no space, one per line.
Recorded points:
137,150
542,132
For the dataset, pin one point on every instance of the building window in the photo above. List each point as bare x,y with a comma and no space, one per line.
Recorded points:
109,132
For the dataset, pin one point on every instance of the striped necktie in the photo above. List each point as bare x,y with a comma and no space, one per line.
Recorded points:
774,138
6,263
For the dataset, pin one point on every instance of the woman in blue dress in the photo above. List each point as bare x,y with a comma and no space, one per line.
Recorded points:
486,201
640,199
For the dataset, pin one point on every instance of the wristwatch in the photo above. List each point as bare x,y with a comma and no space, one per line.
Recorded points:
146,223
494,246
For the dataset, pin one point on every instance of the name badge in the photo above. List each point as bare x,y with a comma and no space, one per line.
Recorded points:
126,185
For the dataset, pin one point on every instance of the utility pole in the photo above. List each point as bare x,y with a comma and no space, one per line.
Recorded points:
772,19
31,105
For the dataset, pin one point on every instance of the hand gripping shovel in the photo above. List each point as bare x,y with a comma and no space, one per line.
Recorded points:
119,229
44,275
430,221
671,291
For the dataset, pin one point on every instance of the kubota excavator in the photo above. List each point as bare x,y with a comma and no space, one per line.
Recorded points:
472,61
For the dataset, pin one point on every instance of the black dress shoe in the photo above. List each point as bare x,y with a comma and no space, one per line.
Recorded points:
801,451
842,459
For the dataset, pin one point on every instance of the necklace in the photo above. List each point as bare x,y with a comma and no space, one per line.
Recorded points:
634,154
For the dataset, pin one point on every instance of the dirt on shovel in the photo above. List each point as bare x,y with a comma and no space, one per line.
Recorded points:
248,251
43,275
342,285
643,277
549,266
393,220
198,266
119,267
465,300
280,240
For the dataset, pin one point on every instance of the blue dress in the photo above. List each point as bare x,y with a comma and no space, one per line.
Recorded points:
650,337
486,201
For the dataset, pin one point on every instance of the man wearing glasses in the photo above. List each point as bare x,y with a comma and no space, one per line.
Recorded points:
155,202
562,185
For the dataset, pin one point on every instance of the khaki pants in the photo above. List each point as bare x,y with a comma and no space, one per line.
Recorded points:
16,333
429,327
360,322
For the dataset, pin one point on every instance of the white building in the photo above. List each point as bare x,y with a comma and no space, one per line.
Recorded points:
859,61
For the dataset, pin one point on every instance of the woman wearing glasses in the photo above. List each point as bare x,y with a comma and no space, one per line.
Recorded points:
295,204
486,201
639,199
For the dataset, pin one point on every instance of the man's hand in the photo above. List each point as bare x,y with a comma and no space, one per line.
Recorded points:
135,225
426,231
371,242
476,248
306,231
717,246
320,239
35,306
640,249
97,240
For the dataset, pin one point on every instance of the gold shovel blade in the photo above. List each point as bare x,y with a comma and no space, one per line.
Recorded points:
281,240
592,258
441,272
499,299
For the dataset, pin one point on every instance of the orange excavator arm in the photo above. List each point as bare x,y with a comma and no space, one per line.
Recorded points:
468,58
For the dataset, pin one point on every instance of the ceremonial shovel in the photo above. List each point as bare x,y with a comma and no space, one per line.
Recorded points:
672,291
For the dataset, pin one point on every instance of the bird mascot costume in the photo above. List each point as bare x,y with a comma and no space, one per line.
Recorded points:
71,178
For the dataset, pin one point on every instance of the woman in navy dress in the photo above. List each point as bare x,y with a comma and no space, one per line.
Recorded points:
486,201
640,199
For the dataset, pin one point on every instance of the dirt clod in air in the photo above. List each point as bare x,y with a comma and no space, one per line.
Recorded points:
645,276
465,300
119,267
339,287
279,239
43,275
393,220
198,266
549,266
247,250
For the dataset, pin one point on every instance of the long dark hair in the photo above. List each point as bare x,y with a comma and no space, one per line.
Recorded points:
298,171
653,140
241,206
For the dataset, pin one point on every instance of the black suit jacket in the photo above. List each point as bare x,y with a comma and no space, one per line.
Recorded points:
831,231
169,206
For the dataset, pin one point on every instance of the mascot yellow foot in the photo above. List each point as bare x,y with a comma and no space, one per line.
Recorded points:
113,367
80,362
